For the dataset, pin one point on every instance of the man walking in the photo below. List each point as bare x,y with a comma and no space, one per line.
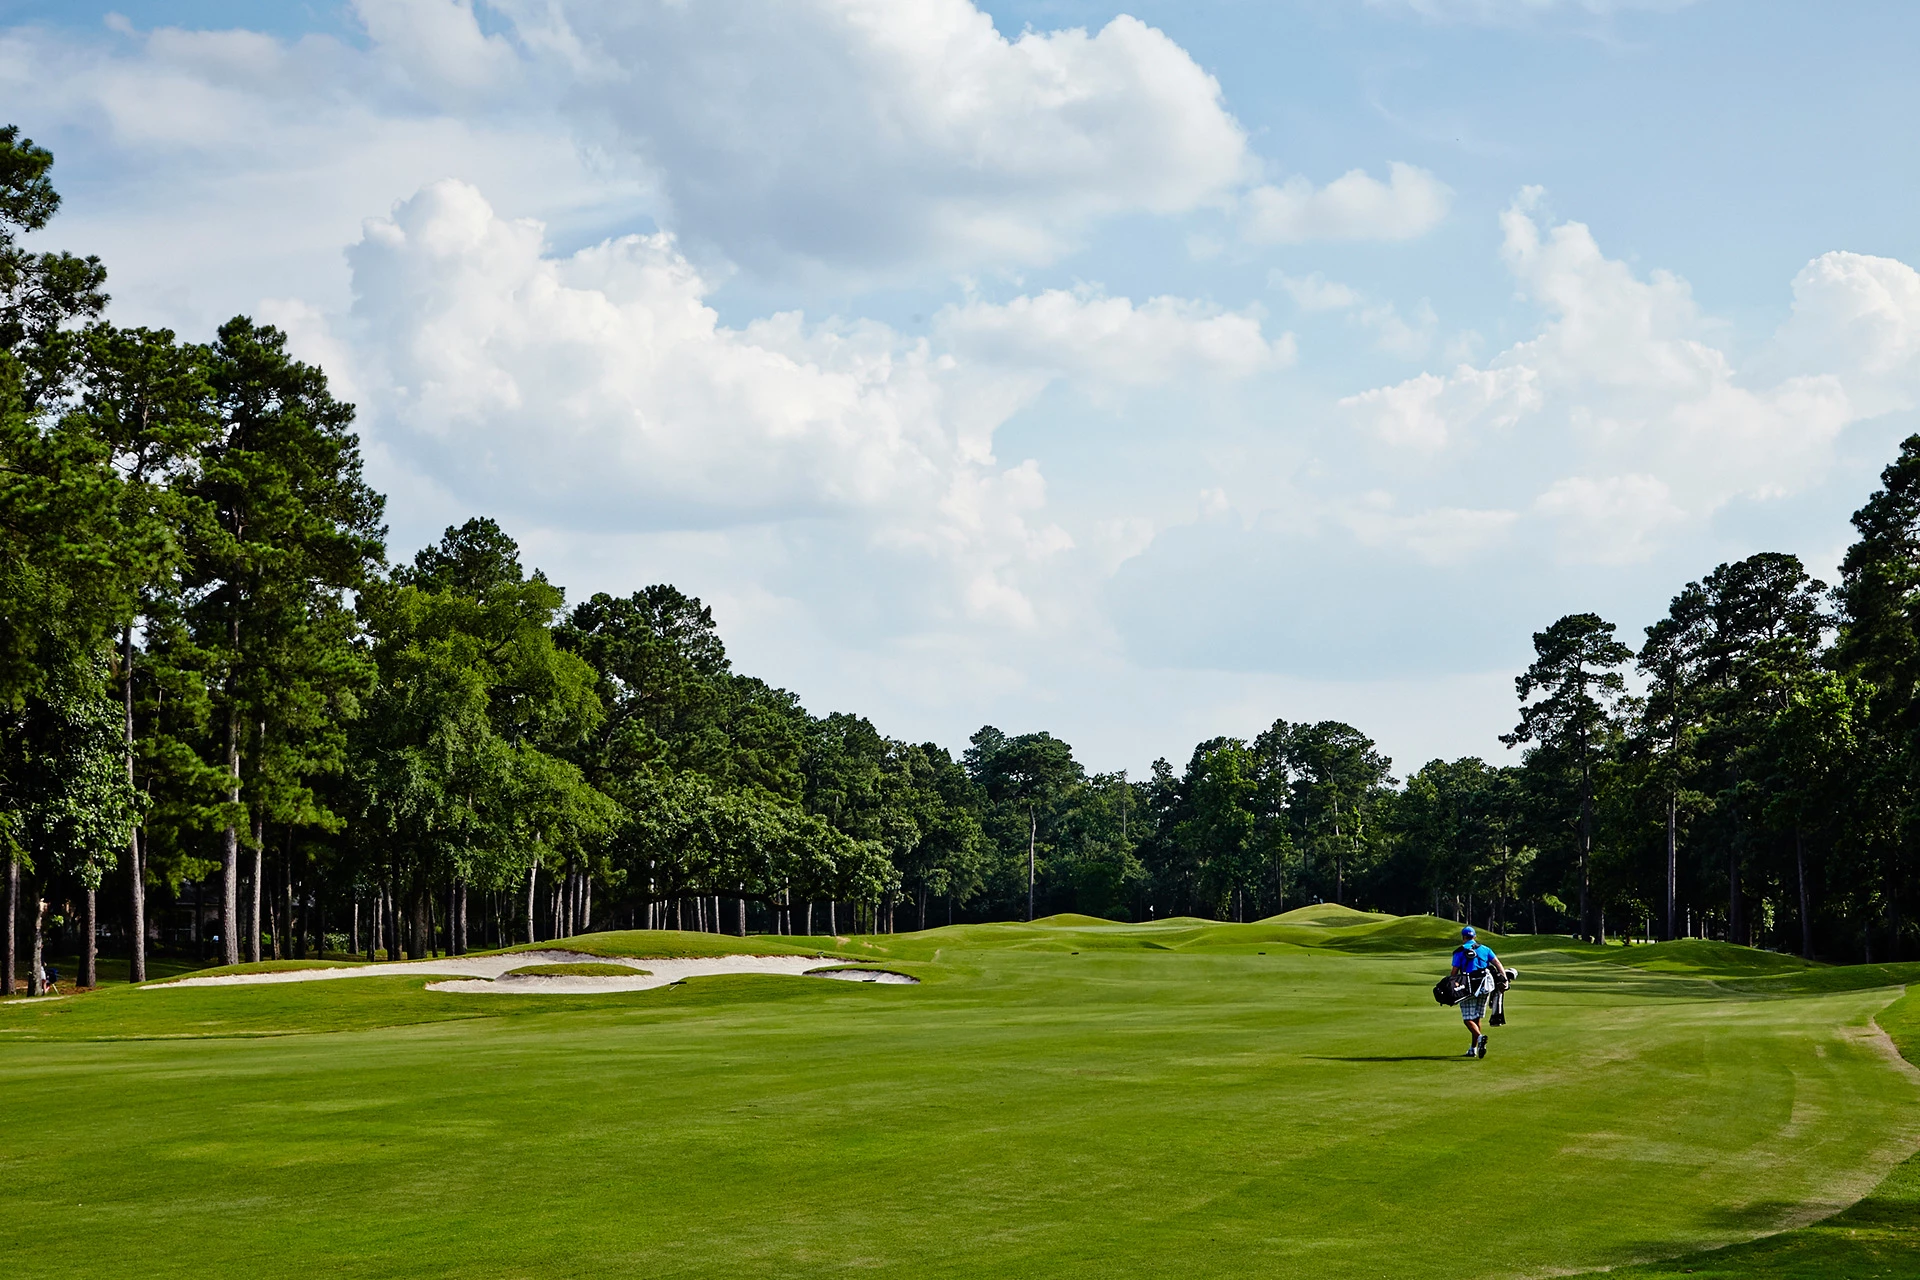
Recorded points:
1477,964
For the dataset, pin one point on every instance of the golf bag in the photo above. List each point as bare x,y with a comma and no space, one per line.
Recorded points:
1497,1007
1450,990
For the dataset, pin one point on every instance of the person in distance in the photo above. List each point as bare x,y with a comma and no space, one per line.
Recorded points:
1475,962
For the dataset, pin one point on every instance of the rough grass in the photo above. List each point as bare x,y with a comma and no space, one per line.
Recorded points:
1167,1102
575,971
1878,1237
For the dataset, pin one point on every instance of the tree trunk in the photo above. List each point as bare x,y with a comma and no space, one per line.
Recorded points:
136,911
259,866
1806,919
137,874
1733,896
9,975
230,837
37,975
532,874
1586,853
90,943
1673,859
1339,867
833,926
422,922
923,909
1893,918
740,915
808,934
1033,835
290,933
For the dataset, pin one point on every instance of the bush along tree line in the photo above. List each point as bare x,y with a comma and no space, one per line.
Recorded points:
230,728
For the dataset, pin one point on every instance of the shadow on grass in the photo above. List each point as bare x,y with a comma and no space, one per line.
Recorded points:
1879,1237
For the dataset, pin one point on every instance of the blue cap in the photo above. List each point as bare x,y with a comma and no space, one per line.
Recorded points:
1466,931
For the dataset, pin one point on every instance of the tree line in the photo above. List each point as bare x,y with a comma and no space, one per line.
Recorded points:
230,726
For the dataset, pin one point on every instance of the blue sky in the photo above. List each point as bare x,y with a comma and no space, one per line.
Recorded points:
1140,373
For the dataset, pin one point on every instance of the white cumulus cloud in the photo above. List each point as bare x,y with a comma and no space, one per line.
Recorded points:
1610,520
1509,12
1859,317
1656,424
599,391
1354,206
603,381
1392,332
878,133
1087,335
1425,413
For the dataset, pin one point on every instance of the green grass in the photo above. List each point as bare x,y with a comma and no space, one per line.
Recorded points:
575,971
1072,1098
1878,1237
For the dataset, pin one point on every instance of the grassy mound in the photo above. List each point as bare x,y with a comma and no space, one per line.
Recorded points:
1327,914
1403,933
675,944
1706,957
576,971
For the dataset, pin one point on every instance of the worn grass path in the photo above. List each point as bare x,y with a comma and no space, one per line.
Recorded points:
1066,1099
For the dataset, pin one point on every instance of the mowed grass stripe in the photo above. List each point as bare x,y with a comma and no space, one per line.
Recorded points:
1158,1112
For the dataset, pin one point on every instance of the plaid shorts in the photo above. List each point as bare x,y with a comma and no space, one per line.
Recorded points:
1472,1008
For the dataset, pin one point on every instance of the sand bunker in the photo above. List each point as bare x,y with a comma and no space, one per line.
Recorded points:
865,975
657,973
488,975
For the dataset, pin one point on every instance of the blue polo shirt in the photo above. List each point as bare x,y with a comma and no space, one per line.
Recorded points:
1472,957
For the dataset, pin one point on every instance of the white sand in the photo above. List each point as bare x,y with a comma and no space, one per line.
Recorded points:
484,974
659,973
868,975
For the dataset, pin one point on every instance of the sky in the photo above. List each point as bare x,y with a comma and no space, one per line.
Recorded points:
1142,374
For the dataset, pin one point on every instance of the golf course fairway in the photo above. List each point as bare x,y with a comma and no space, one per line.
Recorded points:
1067,1098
